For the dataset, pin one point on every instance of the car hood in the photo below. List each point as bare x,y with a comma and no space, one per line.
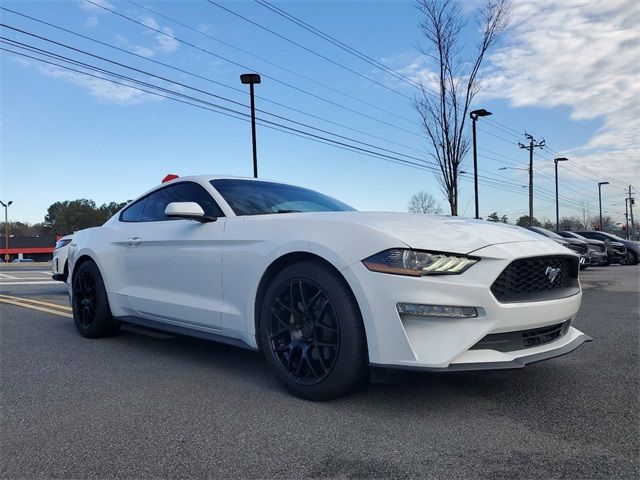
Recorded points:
440,233
594,242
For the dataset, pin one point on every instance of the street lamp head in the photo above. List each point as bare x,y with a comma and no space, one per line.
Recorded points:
502,168
6,204
249,78
560,159
481,112
603,183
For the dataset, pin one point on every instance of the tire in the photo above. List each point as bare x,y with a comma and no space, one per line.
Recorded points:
631,259
91,312
311,332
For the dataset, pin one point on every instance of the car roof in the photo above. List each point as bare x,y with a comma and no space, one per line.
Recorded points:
208,178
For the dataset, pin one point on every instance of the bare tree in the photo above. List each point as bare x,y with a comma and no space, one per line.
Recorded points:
572,223
424,202
444,109
586,213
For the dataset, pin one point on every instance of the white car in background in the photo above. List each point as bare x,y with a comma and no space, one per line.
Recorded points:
59,265
323,290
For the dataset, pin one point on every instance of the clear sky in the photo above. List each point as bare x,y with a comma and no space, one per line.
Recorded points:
566,71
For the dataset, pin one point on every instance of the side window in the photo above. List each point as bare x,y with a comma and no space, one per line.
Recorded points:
133,213
181,192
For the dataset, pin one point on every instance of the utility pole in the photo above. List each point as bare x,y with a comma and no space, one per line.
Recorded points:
600,200
533,143
626,216
6,228
633,227
474,117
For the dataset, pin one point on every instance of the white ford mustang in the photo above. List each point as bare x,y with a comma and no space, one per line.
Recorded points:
325,291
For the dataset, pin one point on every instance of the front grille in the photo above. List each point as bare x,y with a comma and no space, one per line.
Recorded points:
510,341
537,278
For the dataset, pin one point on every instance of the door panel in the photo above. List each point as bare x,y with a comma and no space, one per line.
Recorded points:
175,271
173,267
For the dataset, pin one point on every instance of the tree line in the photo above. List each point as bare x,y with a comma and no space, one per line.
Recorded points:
67,217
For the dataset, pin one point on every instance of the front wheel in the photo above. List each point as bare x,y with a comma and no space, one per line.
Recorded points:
311,332
91,312
631,258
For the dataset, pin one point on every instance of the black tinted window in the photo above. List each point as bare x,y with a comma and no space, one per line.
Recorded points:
180,192
250,197
133,212
151,208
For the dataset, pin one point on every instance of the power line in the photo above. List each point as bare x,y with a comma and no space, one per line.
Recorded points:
286,39
242,116
181,84
208,79
338,43
210,104
41,51
244,67
243,105
262,59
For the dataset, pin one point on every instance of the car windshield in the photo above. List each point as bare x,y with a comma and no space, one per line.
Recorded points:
547,233
578,236
251,197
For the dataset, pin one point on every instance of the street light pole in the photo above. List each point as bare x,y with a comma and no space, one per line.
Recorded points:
474,117
600,200
252,79
556,160
6,228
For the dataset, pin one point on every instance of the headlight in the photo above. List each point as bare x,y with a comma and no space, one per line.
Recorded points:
416,263
61,243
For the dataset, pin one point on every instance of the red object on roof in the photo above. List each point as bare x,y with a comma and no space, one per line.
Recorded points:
169,177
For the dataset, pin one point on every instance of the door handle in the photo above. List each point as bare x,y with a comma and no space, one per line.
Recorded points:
133,241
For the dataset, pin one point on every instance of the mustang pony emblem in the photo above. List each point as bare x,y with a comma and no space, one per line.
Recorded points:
551,273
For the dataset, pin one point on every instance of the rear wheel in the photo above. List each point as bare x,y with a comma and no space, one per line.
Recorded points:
631,258
91,312
311,332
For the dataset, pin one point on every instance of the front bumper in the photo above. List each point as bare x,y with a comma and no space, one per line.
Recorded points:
597,258
435,343
488,360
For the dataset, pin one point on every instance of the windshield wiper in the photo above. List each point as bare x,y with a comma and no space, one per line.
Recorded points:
288,211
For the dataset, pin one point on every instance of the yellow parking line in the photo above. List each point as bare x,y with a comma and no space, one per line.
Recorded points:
34,307
36,302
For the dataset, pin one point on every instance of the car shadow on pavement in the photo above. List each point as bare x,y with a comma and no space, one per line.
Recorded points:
441,390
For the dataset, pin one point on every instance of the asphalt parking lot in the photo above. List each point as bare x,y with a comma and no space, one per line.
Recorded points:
147,405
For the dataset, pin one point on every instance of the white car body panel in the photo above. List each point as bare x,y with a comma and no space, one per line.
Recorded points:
205,277
59,260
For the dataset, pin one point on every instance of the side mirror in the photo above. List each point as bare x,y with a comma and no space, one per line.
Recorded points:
187,211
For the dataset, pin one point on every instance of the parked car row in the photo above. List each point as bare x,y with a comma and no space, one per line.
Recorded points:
595,248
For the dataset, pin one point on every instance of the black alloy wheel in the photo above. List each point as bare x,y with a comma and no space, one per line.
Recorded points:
85,298
304,331
312,333
91,312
